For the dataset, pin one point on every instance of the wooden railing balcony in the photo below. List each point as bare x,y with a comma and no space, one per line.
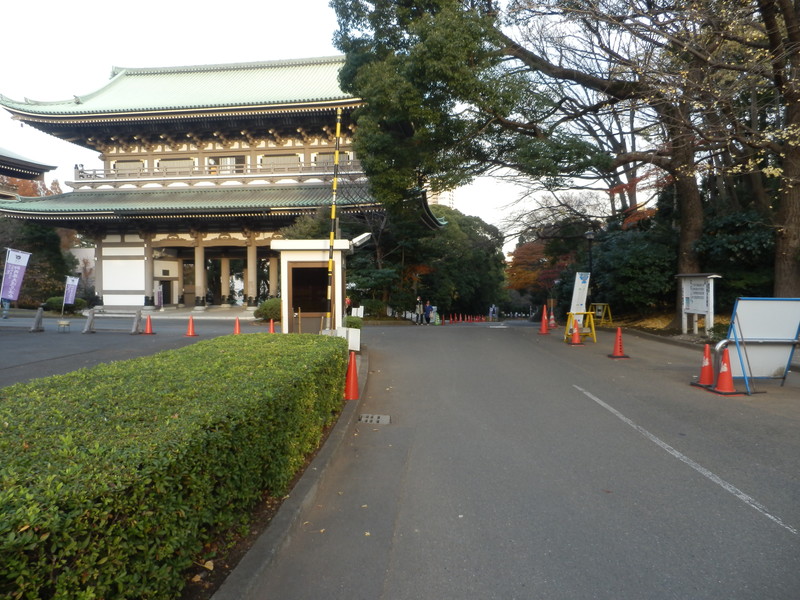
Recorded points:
217,174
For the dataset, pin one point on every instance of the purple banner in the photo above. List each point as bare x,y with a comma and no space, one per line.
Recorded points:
70,290
16,261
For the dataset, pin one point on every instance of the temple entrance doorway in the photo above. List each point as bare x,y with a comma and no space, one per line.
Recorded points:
308,296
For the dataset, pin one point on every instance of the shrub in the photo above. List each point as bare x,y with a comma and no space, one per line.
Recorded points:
112,478
354,322
55,303
269,309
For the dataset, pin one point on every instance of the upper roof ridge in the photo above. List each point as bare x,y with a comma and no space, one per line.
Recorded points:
289,62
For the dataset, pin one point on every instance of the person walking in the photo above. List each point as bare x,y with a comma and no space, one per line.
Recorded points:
427,310
419,311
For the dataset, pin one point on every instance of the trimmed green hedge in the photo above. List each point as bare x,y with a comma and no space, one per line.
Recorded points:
56,303
353,322
112,478
269,309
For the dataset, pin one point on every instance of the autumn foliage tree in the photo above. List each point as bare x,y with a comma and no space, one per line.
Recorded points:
49,263
531,270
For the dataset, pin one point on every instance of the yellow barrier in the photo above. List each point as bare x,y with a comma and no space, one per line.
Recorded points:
603,312
586,325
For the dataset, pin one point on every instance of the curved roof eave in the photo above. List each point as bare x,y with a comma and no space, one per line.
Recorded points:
178,203
296,84
185,113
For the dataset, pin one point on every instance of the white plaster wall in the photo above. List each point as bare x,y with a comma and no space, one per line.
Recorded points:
123,251
123,275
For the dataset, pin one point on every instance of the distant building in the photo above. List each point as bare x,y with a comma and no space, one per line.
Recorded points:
446,198
19,167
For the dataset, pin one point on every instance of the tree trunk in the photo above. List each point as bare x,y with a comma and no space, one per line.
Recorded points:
784,41
787,240
691,209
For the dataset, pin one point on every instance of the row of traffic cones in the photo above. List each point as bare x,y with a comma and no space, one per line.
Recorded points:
576,340
544,328
547,324
462,318
237,329
723,383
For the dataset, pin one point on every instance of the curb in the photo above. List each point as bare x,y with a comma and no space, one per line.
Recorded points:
240,582
658,338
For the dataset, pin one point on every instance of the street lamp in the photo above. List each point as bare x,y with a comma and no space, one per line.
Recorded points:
589,235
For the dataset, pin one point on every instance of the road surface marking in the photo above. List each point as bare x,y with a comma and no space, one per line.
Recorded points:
728,487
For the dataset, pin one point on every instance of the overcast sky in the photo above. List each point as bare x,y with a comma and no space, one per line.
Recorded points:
55,50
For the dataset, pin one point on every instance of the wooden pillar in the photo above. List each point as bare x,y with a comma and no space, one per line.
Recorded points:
179,292
274,285
251,273
199,273
224,279
149,270
98,268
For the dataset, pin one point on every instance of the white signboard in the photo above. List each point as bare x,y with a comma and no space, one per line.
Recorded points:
764,332
695,295
579,293
697,292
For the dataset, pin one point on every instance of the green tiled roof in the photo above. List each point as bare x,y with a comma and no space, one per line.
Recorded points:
15,165
183,201
285,83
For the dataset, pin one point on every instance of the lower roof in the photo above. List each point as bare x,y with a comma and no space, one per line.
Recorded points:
173,208
14,165
110,204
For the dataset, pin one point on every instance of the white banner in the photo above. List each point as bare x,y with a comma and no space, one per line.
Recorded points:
579,293
16,261
70,290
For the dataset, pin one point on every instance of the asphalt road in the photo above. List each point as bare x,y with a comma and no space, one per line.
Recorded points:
27,355
515,466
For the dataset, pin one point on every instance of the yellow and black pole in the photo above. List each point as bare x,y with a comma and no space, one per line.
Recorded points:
333,218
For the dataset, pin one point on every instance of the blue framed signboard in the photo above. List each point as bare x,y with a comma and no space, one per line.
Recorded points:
763,333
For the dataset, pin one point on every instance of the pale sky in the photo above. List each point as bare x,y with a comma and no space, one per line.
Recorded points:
55,50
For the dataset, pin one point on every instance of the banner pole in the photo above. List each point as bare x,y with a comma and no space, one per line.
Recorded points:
332,237
5,268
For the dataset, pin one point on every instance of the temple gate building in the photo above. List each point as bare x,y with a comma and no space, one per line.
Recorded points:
201,166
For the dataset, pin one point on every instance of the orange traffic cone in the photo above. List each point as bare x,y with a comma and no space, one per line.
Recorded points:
236,328
271,326
148,326
706,370
190,330
552,323
618,352
351,383
724,385
576,333
543,328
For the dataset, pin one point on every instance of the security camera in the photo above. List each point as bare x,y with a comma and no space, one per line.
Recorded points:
361,239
